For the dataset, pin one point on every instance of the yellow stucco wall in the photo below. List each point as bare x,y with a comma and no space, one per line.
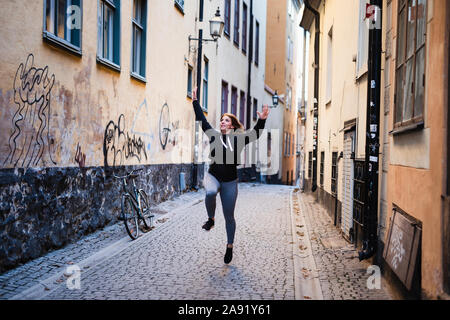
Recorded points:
83,96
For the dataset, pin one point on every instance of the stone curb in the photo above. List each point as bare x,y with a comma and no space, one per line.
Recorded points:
306,281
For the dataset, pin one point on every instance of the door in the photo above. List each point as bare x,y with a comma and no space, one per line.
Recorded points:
347,183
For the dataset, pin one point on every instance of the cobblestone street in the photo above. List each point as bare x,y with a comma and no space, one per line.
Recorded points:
178,260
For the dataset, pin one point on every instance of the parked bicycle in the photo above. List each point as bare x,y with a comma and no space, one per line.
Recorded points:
135,210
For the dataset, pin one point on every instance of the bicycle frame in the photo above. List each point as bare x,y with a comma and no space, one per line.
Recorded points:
134,197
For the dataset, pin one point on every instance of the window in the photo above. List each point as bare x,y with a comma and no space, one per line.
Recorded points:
236,22
255,108
226,28
334,173
224,108
257,43
363,40
108,51
242,108
289,145
179,4
410,69
310,164
205,85
233,100
288,97
329,65
322,161
244,28
189,82
62,24
138,23
293,145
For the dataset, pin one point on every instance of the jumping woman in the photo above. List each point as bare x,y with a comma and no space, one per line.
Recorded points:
226,146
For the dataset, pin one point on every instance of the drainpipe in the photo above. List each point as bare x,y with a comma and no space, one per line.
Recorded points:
199,84
370,220
250,58
316,92
249,81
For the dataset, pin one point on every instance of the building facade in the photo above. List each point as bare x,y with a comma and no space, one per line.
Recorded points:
412,211
283,35
416,245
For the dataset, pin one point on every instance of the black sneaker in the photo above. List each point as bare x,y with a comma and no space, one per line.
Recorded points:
208,224
228,255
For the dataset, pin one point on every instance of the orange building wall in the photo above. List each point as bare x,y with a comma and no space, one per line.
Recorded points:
418,191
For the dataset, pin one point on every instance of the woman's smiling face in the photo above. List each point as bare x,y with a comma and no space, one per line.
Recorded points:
225,124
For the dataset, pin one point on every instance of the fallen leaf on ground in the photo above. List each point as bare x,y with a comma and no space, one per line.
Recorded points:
307,297
302,247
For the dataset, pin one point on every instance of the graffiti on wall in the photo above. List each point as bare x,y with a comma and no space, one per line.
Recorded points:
119,145
80,157
30,143
167,129
397,249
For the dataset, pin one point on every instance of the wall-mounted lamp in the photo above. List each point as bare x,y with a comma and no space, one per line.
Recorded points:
215,29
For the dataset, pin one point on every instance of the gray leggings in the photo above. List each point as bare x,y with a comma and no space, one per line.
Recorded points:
228,196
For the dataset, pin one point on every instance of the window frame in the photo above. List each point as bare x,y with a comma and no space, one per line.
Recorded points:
179,6
234,98
59,42
334,172
205,80
363,41
189,81
416,122
242,106
256,42
143,45
224,97
244,27
113,64
227,19
237,11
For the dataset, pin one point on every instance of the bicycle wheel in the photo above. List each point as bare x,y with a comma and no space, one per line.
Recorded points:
130,217
146,216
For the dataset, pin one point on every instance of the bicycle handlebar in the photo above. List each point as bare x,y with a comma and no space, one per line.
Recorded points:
128,174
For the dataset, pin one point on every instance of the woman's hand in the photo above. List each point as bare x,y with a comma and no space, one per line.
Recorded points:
194,94
265,112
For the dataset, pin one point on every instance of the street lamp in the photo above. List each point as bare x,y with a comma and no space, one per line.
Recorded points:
275,99
215,29
216,26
